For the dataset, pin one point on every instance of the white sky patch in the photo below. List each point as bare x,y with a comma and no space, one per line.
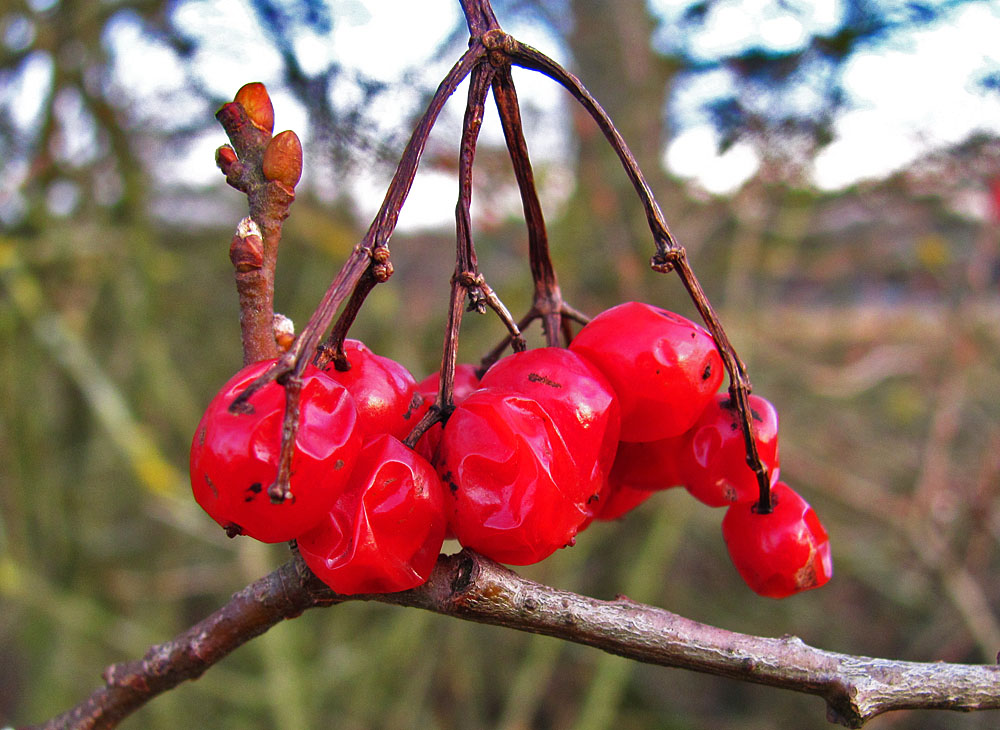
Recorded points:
735,25
386,36
694,154
24,97
915,93
914,96
235,50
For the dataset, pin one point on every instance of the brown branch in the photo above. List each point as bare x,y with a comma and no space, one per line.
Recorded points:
254,251
548,298
470,587
372,248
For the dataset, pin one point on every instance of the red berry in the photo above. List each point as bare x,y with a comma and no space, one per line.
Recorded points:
578,399
663,367
385,392
618,500
515,494
648,466
466,381
713,460
385,530
234,456
780,553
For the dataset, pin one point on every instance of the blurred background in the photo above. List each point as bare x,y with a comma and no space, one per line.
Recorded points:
832,166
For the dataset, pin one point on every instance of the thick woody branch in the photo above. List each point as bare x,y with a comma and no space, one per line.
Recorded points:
470,587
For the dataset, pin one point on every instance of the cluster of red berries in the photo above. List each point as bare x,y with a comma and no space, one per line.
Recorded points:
547,441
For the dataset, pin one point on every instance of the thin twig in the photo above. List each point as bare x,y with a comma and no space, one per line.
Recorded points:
372,248
669,256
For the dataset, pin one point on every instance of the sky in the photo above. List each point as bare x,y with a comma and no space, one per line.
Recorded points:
910,95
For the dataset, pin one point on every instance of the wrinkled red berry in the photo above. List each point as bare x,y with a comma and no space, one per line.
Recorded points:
713,459
384,391
514,492
650,466
384,532
663,367
618,500
780,553
576,396
234,456
466,381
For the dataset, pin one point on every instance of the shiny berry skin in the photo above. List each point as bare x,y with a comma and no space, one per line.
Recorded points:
650,466
384,391
713,461
234,456
664,368
781,553
577,397
384,532
466,381
618,500
513,489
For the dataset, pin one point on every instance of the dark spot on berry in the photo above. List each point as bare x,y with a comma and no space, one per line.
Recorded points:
707,373
338,464
756,416
201,436
215,490
448,479
657,371
693,334
537,378
232,529
593,498
254,489
733,426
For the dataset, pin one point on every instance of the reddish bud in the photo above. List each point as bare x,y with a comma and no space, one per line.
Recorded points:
257,104
247,248
283,159
225,156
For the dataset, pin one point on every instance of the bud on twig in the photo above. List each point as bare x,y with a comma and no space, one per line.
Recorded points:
257,104
247,249
225,156
283,159
284,331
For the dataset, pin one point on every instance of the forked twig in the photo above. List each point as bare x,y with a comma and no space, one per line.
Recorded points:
669,256
372,248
